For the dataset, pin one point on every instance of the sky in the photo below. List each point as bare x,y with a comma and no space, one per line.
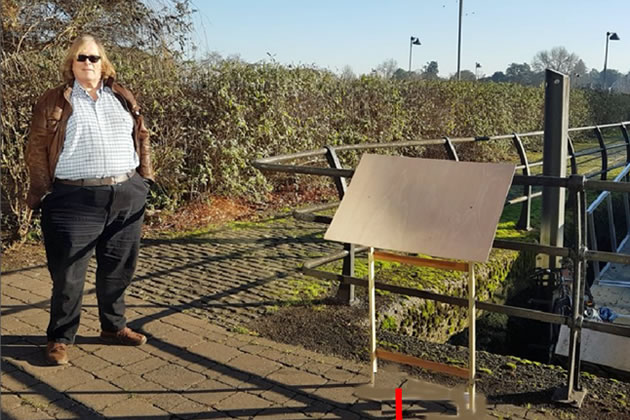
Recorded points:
332,34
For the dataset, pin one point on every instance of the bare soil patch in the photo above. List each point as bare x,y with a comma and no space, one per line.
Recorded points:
343,331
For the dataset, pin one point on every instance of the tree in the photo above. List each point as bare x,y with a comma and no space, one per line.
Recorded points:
580,68
558,58
139,35
612,77
387,68
42,24
402,74
519,73
430,71
499,76
622,85
347,73
465,75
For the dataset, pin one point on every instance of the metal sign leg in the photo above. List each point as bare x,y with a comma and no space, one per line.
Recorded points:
372,303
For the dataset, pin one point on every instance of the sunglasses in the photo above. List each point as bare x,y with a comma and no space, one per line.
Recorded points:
93,58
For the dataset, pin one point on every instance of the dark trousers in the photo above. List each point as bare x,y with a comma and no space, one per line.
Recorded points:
76,221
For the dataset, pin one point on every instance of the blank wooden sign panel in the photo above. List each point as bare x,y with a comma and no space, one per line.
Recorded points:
436,207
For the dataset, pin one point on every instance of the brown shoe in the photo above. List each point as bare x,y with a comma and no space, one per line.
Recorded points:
57,353
126,337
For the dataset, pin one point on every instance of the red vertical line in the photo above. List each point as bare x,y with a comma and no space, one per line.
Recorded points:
399,404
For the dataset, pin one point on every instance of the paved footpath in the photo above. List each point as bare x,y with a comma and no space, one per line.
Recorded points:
191,368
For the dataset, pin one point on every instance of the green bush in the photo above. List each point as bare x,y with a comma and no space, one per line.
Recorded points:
209,121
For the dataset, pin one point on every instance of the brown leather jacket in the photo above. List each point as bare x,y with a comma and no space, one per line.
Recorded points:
48,132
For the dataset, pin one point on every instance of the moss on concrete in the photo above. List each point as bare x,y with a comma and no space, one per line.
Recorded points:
496,280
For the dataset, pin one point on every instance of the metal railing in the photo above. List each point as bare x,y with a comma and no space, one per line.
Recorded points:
334,169
576,184
331,155
615,246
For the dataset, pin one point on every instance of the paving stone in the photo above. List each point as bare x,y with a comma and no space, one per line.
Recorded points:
228,375
165,351
26,412
22,295
156,327
13,325
336,393
181,338
129,381
242,404
98,394
41,395
190,410
254,364
215,351
277,395
146,365
297,378
282,413
9,401
6,367
210,392
110,372
285,358
157,395
90,326
135,407
90,344
67,408
66,378
341,414
17,380
252,348
339,375
90,363
121,355
174,377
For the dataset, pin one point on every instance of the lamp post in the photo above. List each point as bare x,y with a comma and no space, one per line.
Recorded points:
610,36
459,39
412,41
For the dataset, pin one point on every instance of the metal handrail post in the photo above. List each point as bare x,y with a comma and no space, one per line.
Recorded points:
624,133
604,152
554,162
611,224
574,394
574,167
345,293
524,221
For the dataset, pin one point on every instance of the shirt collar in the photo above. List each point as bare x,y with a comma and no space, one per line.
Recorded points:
78,88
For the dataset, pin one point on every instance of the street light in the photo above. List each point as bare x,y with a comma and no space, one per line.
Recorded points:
412,41
459,39
612,36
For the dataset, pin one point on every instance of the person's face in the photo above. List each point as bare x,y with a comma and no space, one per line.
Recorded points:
86,72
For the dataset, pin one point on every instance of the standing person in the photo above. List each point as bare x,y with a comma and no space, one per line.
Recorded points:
88,157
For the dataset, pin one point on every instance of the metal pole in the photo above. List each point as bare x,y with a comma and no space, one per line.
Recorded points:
606,60
372,305
574,394
459,39
554,162
472,313
410,45
345,293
